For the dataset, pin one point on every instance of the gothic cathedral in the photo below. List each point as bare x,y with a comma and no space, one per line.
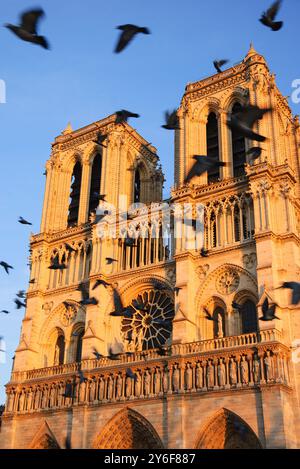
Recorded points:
189,363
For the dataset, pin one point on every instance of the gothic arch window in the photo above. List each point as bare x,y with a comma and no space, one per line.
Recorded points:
59,350
238,147
219,322
248,317
137,186
212,143
79,346
95,183
75,194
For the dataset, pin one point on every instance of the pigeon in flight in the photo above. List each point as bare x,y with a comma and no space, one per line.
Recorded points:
131,374
243,121
254,153
172,120
202,165
129,31
203,252
23,221
126,313
97,354
269,16
236,306
100,282
295,287
55,265
85,297
27,30
81,376
268,311
4,311
101,139
21,294
69,248
113,356
6,266
208,315
219,63
123,116
19,304
110,260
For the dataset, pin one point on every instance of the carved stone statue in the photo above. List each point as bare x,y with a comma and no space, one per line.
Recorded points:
199,376
29,400
138,384
37,398
82,391
52,395
119,387
232,371
268,366
210,375
166,380
110,387
11,401
188,377
44,397
176,378
128,386
256,369
21,401
221,373
92,390
147,383
56,356
157,382
101,389
220,326
244,371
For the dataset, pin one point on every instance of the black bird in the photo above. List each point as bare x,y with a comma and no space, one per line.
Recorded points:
236,306
110,260
269,16
85,297
81,376
163,350
68,391
140,307
100,282
6,266
32,281
4,311
100,139
27,30
123,116
118,303
21,294
268,311
126,313
177,290
23,221
69,248
113,356
203,252
96,195
202,165
130,242
254,153
243,121
172,120
295,287
68,443
129,31
19,304
97,354
131,374
55,265
208,315
219,63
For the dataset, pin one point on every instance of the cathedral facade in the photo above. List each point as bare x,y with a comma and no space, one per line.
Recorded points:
204,373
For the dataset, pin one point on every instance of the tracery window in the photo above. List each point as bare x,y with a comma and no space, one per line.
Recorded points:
212,143
75,195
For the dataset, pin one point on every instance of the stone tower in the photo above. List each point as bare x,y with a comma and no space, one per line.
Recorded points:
230,381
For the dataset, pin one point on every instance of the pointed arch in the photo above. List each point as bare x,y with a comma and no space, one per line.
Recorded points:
128,429
212,144
238,146
44,438
75,194
95,182
226,430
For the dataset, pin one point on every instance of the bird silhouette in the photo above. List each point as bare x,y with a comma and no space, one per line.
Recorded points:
69,248
254,153
101,139
243,121
172,120
19,304
100,282
203,252
21,294
129,31
97,354
208,315
6,266
4,311
27,30
123,116
269,16
219,63
236,306
55,265
110,260
131,374
202,165
85,297
295,287
23,221
268,311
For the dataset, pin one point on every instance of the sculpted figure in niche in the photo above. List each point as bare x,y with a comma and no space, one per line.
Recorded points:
82,387
52,395
157,382
166,380
45,397
10,401
119,387
128,386
256,369
138,384
268,366
110,387
92,390
147,383
176,378
244,371
101,388
56,356
199,376
21,400
232,371
220,326
210,375
221,373
188,377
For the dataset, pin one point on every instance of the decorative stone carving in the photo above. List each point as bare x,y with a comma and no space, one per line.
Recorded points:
147,382
176,378
210,375
233,372
268,361
119,387
249,260
47,307
228,282
188,377
202,271
199,376
244,370
256,369
221,373
68,315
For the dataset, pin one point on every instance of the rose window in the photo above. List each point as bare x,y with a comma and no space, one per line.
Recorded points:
150,324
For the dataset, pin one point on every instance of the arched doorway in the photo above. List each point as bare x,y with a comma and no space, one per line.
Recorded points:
128,430
226,430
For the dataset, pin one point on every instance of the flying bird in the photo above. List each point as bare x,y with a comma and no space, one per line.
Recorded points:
81,376
23,221
268,311
254,153
295,287
203,252
126,313
19,304
55,265
243,121
129,31
101,139
110,260
113,356
208,315
123,116
202,165
21,294
69,248
100,282
6,266
27,30
269,16
236,306
131,374
4,311
172,120
97,354
219,63
85,297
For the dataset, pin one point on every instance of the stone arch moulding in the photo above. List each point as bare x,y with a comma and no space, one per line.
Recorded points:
211,278
211,105
128,429
239,95
226,430
44,438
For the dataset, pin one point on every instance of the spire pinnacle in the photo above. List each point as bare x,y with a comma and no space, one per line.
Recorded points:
68,129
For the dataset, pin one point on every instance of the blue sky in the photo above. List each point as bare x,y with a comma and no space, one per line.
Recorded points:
81,80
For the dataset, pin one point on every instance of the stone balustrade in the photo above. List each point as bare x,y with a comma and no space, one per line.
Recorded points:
246,366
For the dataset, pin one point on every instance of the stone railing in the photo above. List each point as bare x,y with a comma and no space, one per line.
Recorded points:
244,367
